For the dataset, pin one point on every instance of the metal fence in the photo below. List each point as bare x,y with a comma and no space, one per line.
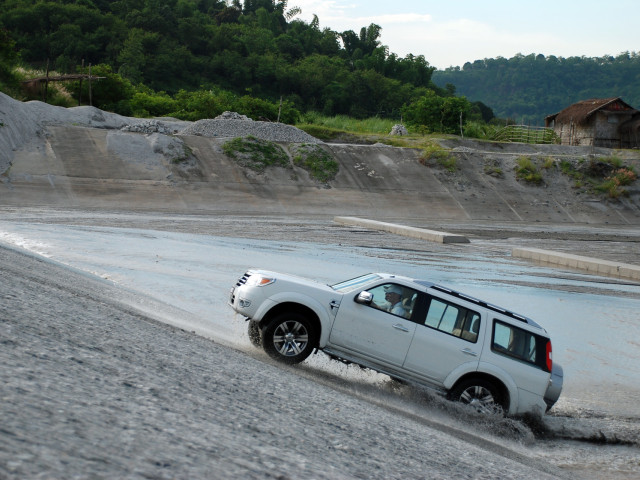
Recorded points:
526,134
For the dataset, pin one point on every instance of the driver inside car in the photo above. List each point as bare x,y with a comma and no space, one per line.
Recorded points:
393,300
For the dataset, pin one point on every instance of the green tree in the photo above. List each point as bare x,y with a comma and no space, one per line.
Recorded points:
8,60
111,92
201,104
253,47
454,114
426,111
132,58
64,32
531,87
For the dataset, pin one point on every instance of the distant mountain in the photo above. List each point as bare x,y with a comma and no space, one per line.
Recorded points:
528,88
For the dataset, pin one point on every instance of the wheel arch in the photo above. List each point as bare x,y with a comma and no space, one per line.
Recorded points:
295,307
503,389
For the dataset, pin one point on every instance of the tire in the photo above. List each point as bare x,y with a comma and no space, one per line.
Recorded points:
480,394
255,335
289,338
397,381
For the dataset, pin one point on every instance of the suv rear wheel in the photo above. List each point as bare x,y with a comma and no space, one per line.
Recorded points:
289,338
482,395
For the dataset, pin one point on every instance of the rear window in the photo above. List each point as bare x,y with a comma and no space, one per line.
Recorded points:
519,344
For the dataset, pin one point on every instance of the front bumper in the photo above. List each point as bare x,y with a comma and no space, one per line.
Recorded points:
246,298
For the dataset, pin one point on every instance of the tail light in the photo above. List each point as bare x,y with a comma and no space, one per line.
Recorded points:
549,356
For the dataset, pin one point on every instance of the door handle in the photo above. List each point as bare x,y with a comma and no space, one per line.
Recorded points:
468,351
402,328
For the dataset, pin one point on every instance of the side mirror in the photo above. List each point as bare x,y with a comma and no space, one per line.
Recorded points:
364,298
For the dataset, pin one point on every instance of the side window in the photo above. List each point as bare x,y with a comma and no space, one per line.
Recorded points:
453,319
518,343
395,299
471,326
436,311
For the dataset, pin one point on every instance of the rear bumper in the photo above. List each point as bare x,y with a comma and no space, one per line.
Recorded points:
555,386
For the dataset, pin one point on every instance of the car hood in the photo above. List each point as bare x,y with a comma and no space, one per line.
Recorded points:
294,279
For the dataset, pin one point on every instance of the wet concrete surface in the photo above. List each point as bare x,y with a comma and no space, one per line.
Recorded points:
121,374
91,388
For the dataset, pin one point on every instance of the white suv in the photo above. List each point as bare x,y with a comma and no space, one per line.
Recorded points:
411,330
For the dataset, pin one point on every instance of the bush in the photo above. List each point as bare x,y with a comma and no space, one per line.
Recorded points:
317,161
613,183
440,155
527,171
112,92
321,132
259,109
200,104
150,104
605,175
479,130
549,162
9,58
438,114
256,154
344,123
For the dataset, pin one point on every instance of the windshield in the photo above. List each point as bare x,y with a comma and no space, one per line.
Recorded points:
354,283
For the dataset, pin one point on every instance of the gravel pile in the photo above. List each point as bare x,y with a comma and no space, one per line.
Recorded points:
22,123
151,126
232,116
231,124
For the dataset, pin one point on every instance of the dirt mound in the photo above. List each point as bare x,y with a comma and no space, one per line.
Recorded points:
89,158
24,125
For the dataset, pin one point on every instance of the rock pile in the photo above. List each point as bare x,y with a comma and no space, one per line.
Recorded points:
26,123
232,116
398,129
151,126
231,124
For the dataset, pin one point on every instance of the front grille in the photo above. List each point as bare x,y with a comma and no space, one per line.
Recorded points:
243,279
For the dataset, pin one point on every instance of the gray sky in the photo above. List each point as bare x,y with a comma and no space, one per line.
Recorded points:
450,33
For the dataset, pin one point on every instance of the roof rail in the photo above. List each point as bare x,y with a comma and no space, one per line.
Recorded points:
482,303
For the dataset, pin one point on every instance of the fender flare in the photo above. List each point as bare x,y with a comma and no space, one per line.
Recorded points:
486,369
301,299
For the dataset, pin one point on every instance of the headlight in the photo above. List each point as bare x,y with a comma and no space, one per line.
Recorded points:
259,281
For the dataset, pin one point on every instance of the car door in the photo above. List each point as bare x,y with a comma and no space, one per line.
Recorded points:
447,339
377,331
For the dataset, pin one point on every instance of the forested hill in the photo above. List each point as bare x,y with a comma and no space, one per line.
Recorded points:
257,48
194,58
528,88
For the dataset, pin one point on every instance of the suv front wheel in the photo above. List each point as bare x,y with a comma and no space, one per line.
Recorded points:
254,333
289,338
482,395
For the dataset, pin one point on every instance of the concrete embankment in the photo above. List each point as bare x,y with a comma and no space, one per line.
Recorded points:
99,168
421,233
559,259
578,262
87,158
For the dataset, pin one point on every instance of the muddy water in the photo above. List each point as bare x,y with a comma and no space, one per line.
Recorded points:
190,265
